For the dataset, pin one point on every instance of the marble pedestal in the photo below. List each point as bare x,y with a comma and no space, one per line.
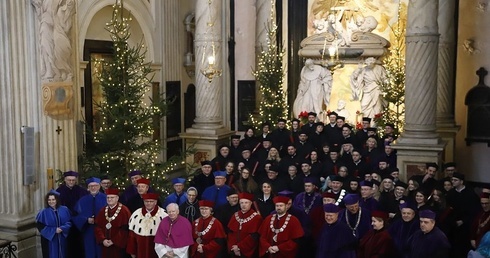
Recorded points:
448,134
411,158
22,233
205,142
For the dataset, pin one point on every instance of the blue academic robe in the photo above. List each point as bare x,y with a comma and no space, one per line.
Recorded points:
87,207
364,223
216,194
173,197
48,220
336,241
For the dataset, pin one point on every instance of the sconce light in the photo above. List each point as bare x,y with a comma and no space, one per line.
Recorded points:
209,63
210,70
334,62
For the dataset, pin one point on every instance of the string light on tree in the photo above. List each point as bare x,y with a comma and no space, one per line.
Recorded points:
269,74
124,140
394,84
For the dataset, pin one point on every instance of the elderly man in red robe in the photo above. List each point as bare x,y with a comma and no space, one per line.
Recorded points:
111,228
208,232
143,226
280,232
174,235
243,229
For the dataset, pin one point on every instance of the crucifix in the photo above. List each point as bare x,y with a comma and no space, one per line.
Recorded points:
58,130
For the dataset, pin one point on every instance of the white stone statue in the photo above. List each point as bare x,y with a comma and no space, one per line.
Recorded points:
62,45
45,12
366,86
55,22
314,88
341,110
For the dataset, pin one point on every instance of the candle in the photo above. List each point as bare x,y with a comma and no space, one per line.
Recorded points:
211,60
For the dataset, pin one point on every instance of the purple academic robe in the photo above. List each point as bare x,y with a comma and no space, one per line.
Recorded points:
47,221
431,245
401,231
336,241
70,196
364,223
88,207
306,202
370,204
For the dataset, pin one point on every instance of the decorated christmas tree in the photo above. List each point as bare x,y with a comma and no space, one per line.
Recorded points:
269,74
124,139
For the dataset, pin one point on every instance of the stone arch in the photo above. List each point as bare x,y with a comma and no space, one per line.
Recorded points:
141,13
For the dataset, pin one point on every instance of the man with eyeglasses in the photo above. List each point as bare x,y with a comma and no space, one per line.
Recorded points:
464,203
481,223
87,208
448,169
111,226
105,183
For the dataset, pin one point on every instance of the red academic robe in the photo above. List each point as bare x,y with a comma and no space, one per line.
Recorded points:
142,230
317,216
212,240
285,239
118,232
480,226
376,244
245,238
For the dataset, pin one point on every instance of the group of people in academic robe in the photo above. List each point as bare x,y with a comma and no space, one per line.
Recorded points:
362,225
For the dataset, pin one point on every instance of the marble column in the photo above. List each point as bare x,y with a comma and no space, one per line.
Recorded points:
446,126
264,14
208,43
208,130
21,106
420,143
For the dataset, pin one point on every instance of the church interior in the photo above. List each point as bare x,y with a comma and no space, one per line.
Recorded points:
203,54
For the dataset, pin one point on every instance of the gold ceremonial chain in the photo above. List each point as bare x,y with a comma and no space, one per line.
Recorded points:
481,225
357,223
106,213
206,230
243,221
307,209
278,230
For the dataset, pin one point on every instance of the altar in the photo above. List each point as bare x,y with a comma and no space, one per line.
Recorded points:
343,37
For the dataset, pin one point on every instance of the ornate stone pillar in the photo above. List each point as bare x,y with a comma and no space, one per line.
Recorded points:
36,93
208,130
264,14
419,143
446,126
